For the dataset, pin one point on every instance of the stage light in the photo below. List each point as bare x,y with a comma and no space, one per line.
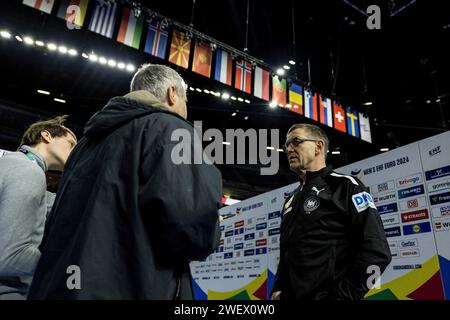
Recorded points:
43,92
280,72
286,67
225,96
121,65
192,88
102,60
292,62
198,89
131,68
93,57
233,114
368,103
62,49
233,98
240,100
246,118
428,101
273,104
18,38
85,55
206,91
52,47
40,43
28,40
288,106
73,52
5,34
247,101
335,152
112,63
384,149
59,100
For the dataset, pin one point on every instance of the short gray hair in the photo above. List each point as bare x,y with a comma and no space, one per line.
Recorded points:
315,132
156,79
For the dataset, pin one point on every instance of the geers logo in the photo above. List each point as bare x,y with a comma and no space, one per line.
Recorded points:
362,201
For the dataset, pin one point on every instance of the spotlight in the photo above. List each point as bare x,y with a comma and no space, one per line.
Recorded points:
240,99
18,38
43,92
131,68
292,62
112,63
428,101
73,52
225,96
384,149
93,57
206,91
368,103
121,65
246,118
52,47
5,34
335,152
288,106
280,72
233,114
102,60
247,101
233,98
273,104
198,89
28,40
85,55
192,88
286,67
40,43
62,49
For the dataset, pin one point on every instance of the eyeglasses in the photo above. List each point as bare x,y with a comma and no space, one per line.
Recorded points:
295,141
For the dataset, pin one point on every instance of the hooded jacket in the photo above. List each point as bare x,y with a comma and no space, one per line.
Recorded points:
127,220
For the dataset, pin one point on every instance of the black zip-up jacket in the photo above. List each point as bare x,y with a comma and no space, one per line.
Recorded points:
125,213
331,233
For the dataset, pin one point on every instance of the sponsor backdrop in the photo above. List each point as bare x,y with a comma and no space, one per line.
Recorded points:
411,189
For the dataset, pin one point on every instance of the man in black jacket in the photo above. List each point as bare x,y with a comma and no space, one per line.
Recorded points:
332,238
127,220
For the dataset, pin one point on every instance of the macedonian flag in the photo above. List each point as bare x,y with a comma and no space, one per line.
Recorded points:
180,49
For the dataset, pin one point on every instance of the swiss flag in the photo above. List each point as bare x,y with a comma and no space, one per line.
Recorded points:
339,117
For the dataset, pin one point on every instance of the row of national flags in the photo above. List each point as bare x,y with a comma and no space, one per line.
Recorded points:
156,37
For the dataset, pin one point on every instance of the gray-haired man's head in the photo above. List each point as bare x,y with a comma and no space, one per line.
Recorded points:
164,83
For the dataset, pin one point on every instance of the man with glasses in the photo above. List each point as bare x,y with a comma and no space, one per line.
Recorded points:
332,238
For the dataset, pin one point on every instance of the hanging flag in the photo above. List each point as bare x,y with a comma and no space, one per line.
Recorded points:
67,13
296,98
279,91
103,18
131,28
364,125
180,49
42,5
157,38
326,111
352,122
311,105
224,67
261,89
243,80
202,59
339,118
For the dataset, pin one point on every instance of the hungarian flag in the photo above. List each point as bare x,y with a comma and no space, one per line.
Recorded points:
42,5
364,125
202,59
311,105
180,49
69,13
296,98
157,38
224,67
103,18
243,79
325,111
279,91
131,28
261,89
339,118
352,122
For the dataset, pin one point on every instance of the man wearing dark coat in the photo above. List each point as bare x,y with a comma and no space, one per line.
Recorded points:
127,218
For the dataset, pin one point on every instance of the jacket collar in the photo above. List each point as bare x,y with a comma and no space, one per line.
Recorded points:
40,161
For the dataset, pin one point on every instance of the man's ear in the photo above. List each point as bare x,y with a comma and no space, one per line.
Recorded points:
46,136
320,146
171,96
